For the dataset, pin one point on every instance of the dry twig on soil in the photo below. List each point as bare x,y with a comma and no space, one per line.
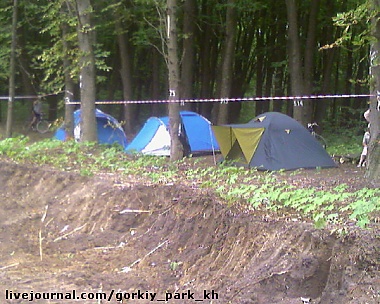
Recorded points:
70,233
128,268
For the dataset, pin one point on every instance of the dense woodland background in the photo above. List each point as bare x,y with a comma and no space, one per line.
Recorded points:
228,48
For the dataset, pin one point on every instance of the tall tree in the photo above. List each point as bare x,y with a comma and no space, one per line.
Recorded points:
12,71
188,58
86,41
176,147
301,67
69,82
294,55
326,61
126,74
373,171
309,61
208,56
227,60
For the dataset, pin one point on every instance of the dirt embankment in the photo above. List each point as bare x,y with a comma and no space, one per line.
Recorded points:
61,232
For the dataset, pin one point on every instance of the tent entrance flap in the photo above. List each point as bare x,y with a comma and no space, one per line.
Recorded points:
238,143
236,154
247,140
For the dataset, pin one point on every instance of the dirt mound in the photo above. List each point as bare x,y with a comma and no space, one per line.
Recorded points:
62,232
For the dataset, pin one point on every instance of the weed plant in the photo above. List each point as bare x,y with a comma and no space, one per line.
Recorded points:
261,191
345,143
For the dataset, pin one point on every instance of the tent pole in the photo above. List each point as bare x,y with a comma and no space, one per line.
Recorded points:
212,143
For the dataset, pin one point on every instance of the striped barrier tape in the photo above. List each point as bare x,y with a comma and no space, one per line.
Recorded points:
297,99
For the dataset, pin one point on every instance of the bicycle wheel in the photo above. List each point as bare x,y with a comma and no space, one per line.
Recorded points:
43,126
321,140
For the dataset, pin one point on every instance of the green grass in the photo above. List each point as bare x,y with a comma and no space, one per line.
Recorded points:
261,191
344,143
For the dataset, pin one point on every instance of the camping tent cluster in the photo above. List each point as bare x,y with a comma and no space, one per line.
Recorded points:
271,141
154,137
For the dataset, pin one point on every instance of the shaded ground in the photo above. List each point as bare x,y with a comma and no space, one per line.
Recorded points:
61,232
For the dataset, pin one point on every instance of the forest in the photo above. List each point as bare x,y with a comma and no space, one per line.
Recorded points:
141,50
228,49
87,217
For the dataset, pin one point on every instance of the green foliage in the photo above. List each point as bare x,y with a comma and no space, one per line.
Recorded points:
355,18
247,113
48,58
346,142
355,32
12,147
261,191
367,201
5,39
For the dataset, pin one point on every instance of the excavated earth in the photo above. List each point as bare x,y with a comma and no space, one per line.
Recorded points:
104,235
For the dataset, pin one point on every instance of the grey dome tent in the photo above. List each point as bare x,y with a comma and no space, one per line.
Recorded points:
272,141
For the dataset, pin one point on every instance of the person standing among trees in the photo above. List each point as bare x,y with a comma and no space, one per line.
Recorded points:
37,112
365,142
366,116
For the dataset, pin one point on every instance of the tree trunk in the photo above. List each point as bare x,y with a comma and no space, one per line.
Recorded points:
269,69
259,66
279,50
227,60
309,65
126,78
322,105
25,71
373,168
69,85
176,148
188,58
12,72
86,40
155,83
207,62
295,60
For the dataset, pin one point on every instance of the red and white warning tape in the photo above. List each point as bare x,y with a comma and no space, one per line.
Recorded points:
28,96
297,99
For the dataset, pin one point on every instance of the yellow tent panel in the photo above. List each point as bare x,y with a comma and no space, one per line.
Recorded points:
225,138
248,139
243,141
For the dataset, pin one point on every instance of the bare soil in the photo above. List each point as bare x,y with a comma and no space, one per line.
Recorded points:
61,231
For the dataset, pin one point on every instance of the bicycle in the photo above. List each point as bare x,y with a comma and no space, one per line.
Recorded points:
311,127
41,126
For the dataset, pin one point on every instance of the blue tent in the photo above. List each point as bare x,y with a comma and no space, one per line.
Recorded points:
154,137
108,128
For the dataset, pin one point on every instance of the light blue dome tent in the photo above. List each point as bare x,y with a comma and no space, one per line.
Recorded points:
154,137
108,128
